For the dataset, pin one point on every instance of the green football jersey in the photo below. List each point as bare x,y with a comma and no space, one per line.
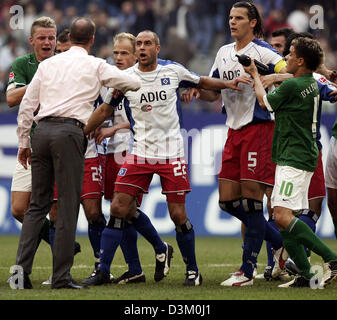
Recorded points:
22,72
295,104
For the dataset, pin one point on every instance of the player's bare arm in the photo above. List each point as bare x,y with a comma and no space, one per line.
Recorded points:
274,78
103,112
15,95
102,133
258,86
209,83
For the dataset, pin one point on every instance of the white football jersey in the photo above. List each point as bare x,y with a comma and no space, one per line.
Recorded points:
154,110
242,107
120,141
91,149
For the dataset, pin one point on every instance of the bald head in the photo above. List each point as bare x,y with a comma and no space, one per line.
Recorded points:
82,30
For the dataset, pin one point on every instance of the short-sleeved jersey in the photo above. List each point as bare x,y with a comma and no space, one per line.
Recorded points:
154,110
295,104
242,107
91,151
22,71
120,141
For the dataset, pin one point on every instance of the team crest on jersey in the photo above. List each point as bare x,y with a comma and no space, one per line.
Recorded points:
146,108
322,80
165,81
122,171
11,76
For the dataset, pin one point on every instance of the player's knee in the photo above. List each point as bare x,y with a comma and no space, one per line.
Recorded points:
118,209
97,219
18,212
178,214
332,205
93,216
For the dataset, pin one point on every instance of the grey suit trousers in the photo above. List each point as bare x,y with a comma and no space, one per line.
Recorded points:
57,155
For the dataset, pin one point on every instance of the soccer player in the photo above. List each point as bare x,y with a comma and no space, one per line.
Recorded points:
63,42
279,38
43,40
296,154
316,192
247,171
117,146
158,147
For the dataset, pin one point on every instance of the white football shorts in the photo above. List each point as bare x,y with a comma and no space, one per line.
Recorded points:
291,188
22,178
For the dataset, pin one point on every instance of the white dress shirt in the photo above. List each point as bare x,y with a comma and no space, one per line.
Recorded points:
66,85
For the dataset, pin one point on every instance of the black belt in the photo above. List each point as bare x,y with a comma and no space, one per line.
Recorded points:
64,120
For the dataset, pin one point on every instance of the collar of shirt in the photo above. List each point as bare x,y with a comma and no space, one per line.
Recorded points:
75,48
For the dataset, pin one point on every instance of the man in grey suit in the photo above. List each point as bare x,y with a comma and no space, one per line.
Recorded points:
64,88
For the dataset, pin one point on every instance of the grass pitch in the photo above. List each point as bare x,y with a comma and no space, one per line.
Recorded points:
217,258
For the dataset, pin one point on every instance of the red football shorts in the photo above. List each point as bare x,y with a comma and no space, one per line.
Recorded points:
136,173
247,154
91,188
317,183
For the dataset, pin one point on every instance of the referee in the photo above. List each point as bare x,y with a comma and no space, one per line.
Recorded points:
64,88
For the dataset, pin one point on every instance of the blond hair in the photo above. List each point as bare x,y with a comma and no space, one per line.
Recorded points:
126,36
43,22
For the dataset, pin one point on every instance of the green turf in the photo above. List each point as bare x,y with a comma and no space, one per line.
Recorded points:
217,258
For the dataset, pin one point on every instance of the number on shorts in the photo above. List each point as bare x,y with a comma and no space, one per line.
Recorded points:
180,169
286,188
252,159
95,174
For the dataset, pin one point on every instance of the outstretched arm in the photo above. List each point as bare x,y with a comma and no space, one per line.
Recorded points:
258,86
103,112
209,83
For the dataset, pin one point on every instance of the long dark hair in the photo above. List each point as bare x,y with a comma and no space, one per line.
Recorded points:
253,13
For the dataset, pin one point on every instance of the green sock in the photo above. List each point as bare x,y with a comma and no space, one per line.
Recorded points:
44,233
305,236
335,224
297,254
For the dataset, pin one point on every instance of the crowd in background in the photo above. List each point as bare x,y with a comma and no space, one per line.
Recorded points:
191,31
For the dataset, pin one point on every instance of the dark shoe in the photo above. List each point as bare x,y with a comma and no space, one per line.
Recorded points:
93,274
301,282
77,248
128,277
193,278
72,285
163,262
98,279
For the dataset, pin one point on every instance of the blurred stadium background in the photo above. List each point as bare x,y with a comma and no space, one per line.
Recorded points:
191,32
